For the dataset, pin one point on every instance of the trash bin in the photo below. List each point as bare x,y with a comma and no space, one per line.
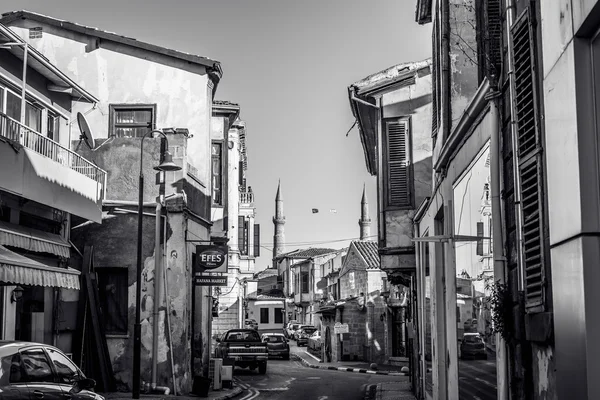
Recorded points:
201,386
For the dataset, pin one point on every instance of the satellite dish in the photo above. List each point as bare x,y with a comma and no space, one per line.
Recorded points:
86,132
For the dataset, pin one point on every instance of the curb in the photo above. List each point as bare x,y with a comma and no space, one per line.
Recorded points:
346,369
236,391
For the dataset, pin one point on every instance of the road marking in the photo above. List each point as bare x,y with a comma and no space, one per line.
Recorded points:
314,377
323,397
318,359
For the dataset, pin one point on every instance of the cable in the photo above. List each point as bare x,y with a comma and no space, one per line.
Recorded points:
320,242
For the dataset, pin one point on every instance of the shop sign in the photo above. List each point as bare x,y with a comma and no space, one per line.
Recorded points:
211,258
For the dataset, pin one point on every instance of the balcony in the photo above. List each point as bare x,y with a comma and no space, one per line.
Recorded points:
40,169
302,298
246,197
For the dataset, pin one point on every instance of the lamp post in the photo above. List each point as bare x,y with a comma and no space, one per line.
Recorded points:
166,165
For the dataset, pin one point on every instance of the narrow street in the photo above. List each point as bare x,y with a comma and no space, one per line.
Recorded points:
291,380
477,379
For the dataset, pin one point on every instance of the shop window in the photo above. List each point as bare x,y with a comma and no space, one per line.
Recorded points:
113,289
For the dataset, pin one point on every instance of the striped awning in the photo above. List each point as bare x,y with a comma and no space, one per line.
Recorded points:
17,269
33,240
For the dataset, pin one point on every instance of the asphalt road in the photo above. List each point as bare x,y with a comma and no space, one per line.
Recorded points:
477,379
290,380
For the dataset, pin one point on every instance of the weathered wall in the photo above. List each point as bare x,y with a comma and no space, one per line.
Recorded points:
354,344
179,89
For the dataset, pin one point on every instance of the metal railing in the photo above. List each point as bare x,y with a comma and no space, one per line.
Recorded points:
27,137
247,197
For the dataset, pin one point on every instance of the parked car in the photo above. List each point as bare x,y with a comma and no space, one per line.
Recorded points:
33,370
277,345
245,348
288,326
251,324
472,345
303,333
315,342
291,329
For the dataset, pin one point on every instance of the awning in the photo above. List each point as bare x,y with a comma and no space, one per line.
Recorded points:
33,240
20,270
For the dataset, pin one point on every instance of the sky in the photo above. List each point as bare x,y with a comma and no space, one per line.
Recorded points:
288,64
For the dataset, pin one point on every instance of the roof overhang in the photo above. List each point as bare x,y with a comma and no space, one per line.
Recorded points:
33,240
60,82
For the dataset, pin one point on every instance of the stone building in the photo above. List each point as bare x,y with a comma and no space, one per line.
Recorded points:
142,86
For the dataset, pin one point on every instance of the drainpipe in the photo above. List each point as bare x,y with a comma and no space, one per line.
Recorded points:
157,296
498,244
421,309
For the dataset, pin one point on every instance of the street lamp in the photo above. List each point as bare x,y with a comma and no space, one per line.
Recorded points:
166,165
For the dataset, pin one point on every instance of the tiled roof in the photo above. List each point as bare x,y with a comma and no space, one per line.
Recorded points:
266,273
9,17
390,75
307,253
224,103
369,250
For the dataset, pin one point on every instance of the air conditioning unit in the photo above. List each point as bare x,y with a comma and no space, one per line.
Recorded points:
214,373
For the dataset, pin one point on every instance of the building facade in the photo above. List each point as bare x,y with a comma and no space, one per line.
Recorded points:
44,185
141,87
393,111
233,214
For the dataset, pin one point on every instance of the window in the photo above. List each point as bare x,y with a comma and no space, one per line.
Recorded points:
304,277
217,173
398,180
479,250
13,106
129,120
279,315
112,287
36,367
66,370
256,240
53,123
33,117
243,235
11,370
264,315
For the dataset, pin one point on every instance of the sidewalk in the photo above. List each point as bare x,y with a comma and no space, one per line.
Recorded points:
390,391
222,394
311,361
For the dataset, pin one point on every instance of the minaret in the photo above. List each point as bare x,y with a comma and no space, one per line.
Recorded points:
364,222
278,221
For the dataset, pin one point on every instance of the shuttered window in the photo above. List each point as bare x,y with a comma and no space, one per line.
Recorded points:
489,38
398,160
479,251
529,161
256,240
243,235
434,85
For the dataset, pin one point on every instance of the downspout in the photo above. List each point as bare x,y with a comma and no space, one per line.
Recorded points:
168,304
158,275
421,310
498,244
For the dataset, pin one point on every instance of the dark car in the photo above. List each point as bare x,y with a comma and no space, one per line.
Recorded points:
243,348
277,345
303,335
251,324
473,346
33,370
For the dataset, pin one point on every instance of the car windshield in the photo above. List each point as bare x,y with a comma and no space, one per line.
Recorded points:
274,339
242,337
472,339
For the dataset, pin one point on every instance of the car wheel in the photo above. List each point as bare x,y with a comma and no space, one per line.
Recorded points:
262,368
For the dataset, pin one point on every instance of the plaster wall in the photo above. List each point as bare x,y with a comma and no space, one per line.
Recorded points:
120,74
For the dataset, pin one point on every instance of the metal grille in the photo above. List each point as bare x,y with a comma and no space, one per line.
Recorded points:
398,163
247,350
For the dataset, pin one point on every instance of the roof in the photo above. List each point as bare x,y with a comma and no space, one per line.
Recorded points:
224,103
369,251
266,273
9,17
41,64
390,76
307,253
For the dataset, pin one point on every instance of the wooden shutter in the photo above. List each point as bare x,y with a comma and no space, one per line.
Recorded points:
241,235
529,160
398,157
256,240
480,241
493,38
434,79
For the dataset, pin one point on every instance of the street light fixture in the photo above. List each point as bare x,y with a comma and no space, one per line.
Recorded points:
166,165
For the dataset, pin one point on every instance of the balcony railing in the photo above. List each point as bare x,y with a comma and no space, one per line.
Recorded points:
247,197
27,137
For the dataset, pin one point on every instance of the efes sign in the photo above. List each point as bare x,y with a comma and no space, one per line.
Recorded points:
211,258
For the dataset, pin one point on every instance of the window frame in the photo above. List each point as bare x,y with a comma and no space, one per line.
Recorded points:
409,165
114,108
222,168
266,315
